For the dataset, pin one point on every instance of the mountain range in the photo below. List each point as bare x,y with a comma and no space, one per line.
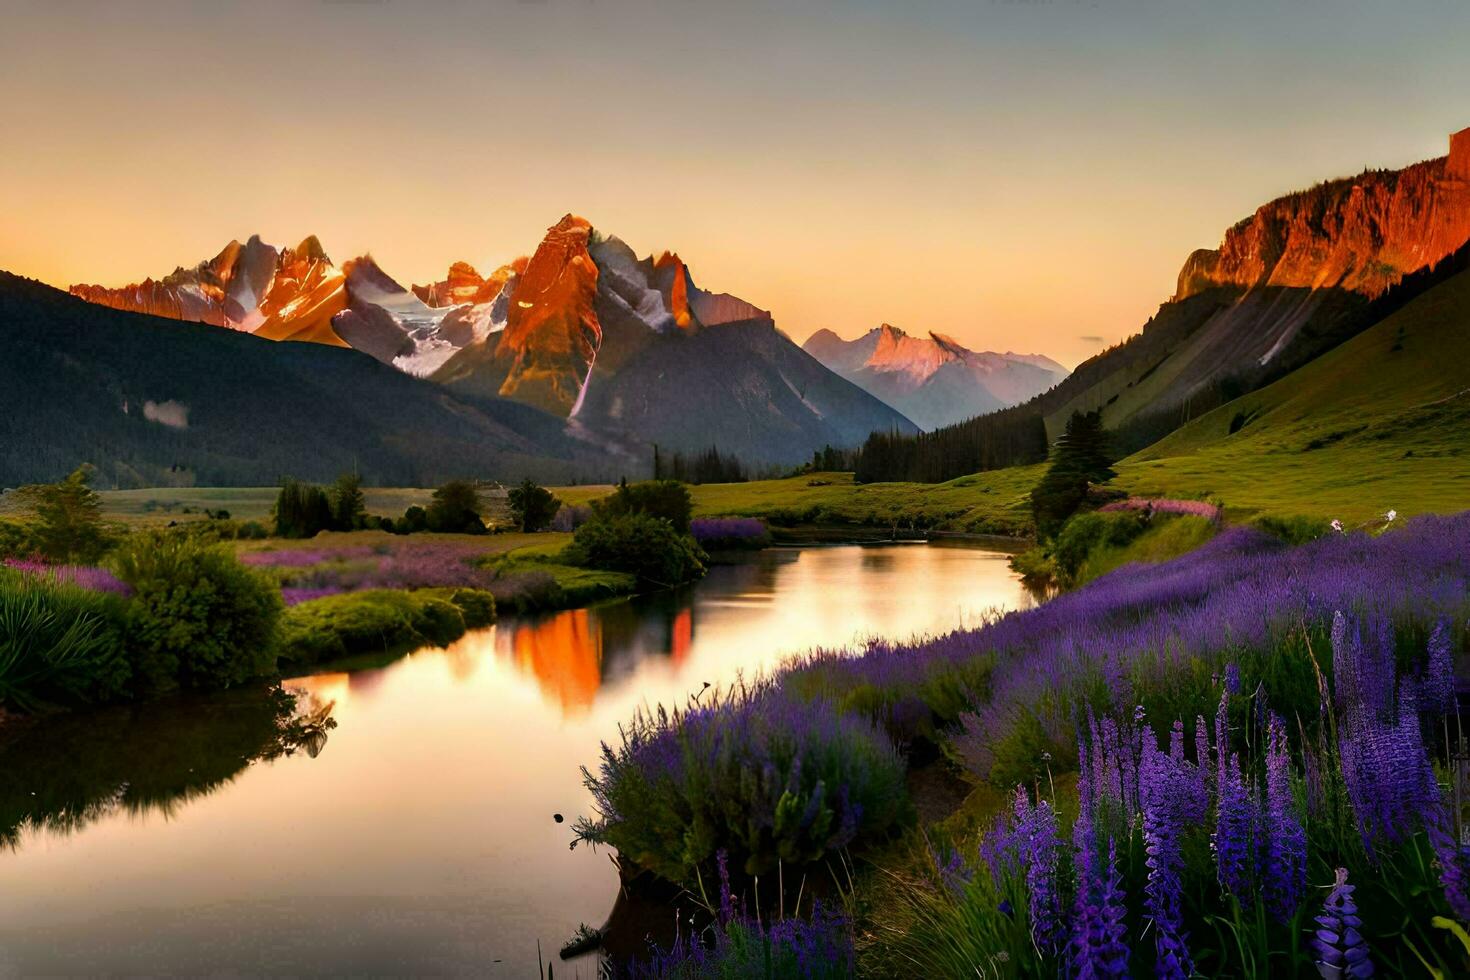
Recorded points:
616,353
934,380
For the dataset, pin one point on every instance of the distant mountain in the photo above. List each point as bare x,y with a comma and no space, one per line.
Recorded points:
155,402
934,380
1304,274
299,294
634,353
582,314
280,294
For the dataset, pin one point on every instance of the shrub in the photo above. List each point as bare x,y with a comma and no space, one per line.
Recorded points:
455,509
302,510
58,641
378,621
665,499
349,506
1295,529
766,778
1084,534
532,507
68,524
18,540
198,618
643,545
414,520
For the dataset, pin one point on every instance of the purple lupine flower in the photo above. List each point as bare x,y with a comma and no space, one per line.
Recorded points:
1232,678
727,901
1098,948
1453,862
1284,869
1163,892
1385,768
1439,672
1341,949
1042,851
1234,838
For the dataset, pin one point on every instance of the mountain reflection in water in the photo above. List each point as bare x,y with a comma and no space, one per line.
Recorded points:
421,840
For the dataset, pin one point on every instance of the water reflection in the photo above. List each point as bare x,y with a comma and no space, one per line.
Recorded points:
69,772
420,840
577,655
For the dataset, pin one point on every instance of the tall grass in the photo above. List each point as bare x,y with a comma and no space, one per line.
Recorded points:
57,640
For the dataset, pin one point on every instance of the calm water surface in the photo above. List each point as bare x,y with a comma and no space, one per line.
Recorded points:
418,837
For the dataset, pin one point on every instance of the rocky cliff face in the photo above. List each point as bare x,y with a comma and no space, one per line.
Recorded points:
463,285
286,294
1362,234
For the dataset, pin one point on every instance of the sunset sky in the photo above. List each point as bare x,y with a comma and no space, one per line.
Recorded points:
1025,175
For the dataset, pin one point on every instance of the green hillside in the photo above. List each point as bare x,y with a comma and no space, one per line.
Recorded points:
1380,422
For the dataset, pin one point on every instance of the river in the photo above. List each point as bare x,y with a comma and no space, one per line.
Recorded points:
417,836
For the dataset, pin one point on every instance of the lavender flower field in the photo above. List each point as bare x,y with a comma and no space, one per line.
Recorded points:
727,533
1241,762
1188,508
89,577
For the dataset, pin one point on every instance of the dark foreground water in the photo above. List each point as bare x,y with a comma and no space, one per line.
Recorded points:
416,836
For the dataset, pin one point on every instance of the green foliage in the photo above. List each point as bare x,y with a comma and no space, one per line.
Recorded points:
18,540
1294,529
68,516
1079,460
476,606
640,544
377,621
302,510
58,642
456,509
1010,437
931,926
414,520
710,466
532,507
198,618
349,505
668,500
1085,534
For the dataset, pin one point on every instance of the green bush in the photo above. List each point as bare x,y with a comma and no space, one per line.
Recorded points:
414,520
59,642
455,509
302,510
532,507
380,621
640,544
1293,530
665,499
68,527
1084,534
18,540
198,618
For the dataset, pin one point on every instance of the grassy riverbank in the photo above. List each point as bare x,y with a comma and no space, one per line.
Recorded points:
1170,769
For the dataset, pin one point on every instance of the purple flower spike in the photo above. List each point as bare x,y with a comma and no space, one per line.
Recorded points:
1285,865
1341,949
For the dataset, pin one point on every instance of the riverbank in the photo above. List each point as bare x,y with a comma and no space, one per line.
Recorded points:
1245,628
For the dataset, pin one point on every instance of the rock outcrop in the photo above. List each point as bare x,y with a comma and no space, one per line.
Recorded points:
1361,234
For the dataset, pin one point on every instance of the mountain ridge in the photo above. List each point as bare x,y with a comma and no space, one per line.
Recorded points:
934,381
